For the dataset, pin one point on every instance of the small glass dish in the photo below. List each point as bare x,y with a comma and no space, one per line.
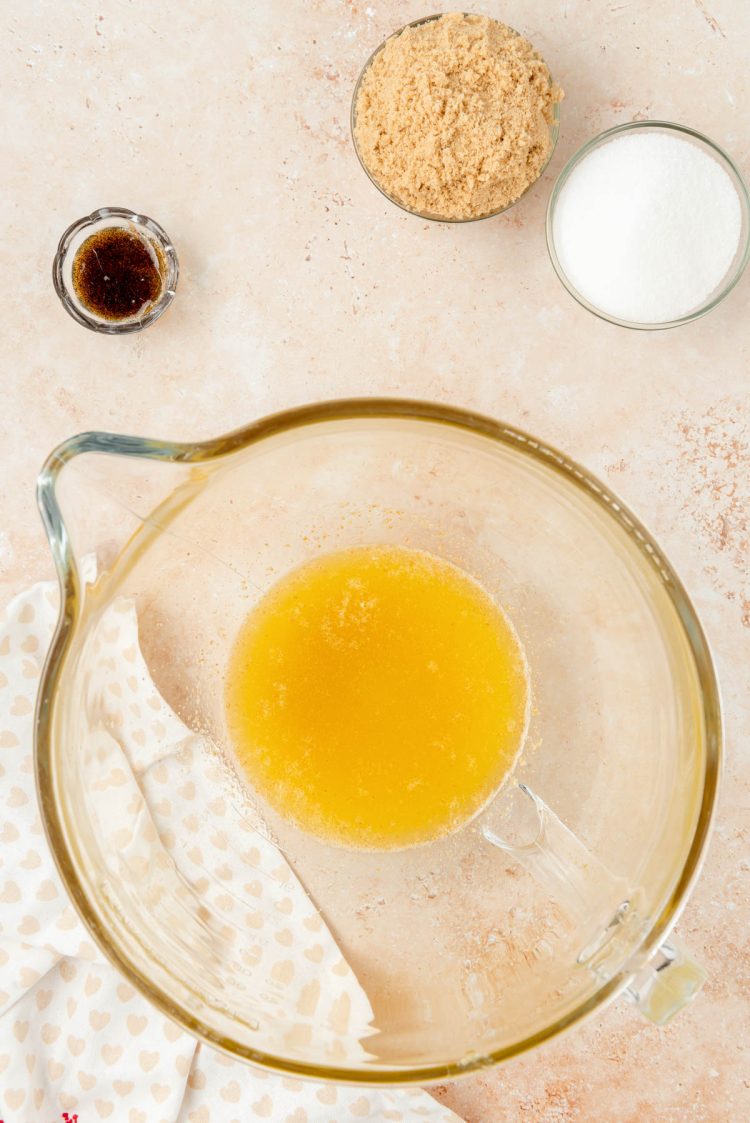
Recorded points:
554,132
159,245
739,261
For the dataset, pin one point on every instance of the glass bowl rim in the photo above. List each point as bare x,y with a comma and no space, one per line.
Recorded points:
723,158
205,452
116,327
554,130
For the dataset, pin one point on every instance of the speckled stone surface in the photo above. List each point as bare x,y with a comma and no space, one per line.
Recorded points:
229,125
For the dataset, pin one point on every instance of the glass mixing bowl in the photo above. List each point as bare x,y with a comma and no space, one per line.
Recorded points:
464,951
554,133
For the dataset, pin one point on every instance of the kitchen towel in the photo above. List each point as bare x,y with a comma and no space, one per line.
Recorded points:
75,1037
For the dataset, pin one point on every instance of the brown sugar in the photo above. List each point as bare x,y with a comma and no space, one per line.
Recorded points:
452,117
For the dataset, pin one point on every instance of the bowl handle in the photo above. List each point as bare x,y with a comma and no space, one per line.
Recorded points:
667,981
661,981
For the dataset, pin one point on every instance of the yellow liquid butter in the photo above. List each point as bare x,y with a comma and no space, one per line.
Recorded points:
376,697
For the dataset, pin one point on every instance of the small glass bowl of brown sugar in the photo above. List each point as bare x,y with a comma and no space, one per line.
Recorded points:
454,117
115,271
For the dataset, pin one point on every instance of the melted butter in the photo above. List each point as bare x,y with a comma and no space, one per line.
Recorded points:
376,697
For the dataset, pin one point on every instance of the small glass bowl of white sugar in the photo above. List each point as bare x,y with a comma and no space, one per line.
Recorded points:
648,225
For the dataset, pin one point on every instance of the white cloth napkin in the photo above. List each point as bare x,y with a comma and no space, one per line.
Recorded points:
74,1036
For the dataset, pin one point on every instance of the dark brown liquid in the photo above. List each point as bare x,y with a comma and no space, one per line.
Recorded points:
115,274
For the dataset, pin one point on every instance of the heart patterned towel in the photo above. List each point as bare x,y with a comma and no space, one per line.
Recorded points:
75,1037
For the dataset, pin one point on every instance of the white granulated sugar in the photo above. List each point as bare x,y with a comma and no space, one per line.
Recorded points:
646,227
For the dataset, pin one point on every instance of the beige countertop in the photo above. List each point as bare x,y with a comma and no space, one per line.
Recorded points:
229,125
